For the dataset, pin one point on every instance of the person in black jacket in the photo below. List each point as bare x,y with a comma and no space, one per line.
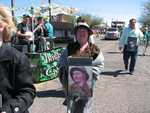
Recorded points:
16,82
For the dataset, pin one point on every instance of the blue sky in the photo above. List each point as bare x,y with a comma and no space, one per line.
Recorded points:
108,9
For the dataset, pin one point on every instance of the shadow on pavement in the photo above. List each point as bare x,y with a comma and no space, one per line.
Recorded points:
115,73
114,52
143,55
51,93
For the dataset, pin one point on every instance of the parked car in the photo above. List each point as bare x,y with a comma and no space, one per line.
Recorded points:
112,33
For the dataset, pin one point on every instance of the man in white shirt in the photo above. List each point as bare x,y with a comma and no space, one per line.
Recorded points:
129,42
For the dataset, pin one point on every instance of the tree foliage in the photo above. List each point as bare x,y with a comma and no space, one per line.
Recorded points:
92,20
71,18
145,17
96,21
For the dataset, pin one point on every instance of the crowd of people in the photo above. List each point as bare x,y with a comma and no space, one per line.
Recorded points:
34,29
16,80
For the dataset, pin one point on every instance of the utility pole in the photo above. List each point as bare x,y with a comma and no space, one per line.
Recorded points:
49,2
12,10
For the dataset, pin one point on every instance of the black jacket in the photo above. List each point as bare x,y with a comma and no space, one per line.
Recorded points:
16,82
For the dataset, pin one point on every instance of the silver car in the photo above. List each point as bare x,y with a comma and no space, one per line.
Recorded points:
112,33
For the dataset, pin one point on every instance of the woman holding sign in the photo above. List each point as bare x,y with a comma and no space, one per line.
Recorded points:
81,48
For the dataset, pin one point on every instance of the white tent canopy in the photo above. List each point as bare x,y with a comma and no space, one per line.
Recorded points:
57,9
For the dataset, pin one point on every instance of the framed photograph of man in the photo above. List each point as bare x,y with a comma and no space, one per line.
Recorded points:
80,78
132,44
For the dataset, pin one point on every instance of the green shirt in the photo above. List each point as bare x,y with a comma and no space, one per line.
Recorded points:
147,35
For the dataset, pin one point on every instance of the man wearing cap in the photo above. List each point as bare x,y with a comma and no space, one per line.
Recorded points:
81,48
24,30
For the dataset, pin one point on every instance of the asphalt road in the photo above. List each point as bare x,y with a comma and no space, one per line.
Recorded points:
116,91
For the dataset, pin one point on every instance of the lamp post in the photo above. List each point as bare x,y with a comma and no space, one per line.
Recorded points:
12,10
49,8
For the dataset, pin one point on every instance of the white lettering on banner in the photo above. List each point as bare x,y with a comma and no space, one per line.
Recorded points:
47,71
52,58
51,70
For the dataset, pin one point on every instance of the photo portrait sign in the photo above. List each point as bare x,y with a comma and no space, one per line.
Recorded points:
80,77
132,44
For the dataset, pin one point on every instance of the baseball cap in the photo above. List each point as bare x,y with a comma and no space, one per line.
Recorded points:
25,16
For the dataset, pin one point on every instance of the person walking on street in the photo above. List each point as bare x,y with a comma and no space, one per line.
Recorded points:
146,39
17,91
129,41
81,48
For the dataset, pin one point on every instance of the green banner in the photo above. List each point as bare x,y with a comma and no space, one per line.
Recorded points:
45,65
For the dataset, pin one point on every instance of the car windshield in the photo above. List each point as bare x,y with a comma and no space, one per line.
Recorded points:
112,29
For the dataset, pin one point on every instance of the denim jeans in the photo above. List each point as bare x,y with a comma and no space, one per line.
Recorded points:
130,55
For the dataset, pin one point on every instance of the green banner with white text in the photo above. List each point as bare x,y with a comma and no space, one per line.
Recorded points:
45,64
